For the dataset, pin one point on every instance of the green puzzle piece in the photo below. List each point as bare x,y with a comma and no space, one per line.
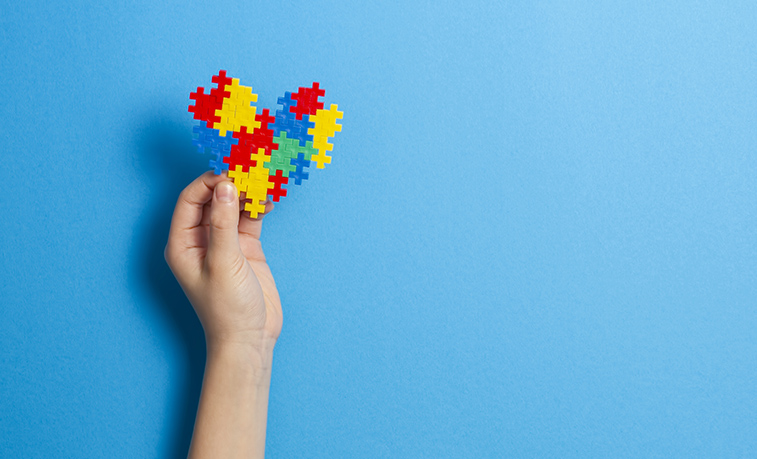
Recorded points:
288,149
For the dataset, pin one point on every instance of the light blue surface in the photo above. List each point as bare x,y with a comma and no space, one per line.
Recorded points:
536,239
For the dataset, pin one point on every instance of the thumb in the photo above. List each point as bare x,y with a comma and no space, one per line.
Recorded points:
224,224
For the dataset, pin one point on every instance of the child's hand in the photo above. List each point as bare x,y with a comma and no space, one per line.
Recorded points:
215,254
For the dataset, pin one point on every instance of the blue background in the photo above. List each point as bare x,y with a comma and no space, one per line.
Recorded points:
536,239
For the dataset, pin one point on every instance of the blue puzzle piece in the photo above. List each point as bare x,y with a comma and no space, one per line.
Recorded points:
219,146
218,166
301,131
201,142
299,173
286,121
287,102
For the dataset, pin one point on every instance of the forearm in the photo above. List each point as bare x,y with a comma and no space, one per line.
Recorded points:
232,414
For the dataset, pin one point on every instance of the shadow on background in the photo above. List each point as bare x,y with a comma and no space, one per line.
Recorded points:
167,163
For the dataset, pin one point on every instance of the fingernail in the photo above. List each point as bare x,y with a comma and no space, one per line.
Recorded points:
225,192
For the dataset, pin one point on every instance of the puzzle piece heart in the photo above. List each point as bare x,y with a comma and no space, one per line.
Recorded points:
262,152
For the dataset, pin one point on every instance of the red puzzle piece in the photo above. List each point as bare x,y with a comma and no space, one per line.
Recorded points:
240,153
263,136
307,101
278,180
206,105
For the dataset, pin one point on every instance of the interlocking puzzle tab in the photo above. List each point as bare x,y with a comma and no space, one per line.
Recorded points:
262,152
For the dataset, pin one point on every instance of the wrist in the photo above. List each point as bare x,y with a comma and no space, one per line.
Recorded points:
257,342
255,357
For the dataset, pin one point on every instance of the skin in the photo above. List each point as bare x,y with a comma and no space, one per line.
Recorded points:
215,253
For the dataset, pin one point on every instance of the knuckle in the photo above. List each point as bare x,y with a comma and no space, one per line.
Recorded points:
215,225
217,222
168,254
183,195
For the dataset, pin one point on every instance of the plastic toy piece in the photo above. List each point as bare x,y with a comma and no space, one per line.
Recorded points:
326,121
303,126
326,126
220,92
254,208
221,81
263,136
277,191
206,105
240,153
321,159
263,152
285,120
240,178
202,141
257,186
307,101
209,139
236,111
287,102
280,163
260,158
299,173
288,149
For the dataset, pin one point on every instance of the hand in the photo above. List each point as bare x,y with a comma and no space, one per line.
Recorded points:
215,253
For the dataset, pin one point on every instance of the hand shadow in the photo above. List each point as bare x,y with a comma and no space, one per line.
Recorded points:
168,162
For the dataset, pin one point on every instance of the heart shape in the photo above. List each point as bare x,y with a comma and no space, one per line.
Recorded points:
262,152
